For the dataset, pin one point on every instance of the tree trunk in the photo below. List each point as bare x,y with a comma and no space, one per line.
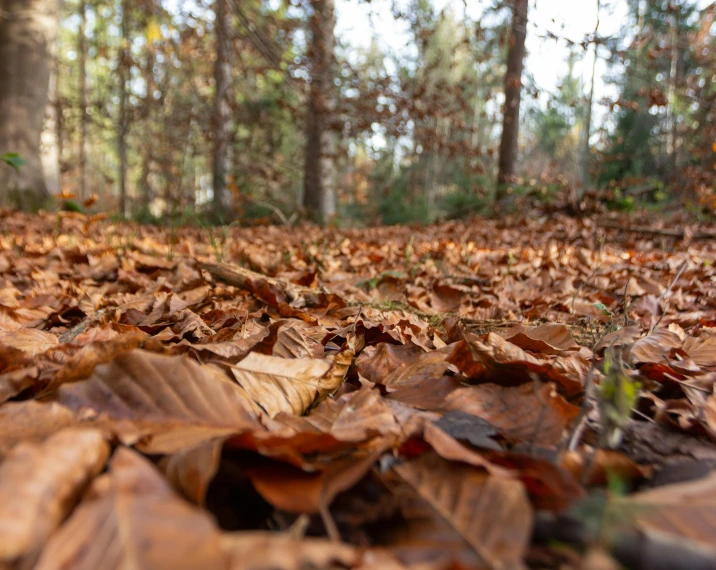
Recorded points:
513,89
84,118
319,192
50,138
671,108
583,170
28,34
124,62
222,115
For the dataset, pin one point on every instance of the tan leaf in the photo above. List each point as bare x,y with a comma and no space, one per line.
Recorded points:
702,350
32,421
132,519
491,513
285,385
29,341
39,484
169,401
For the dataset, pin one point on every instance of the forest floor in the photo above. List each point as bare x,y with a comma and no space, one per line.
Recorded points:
534,392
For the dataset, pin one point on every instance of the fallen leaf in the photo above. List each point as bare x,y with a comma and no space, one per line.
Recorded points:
491,513
284,385
132,519
534,415
550,338
29,341
39,485
278,551
168,402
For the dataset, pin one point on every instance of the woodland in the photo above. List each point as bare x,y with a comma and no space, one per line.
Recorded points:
279,295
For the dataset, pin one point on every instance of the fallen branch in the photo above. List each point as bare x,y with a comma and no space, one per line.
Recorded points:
679,234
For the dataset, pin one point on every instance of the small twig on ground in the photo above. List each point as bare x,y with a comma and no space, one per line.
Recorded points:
624,301
74,332
665,293
581,423
583,285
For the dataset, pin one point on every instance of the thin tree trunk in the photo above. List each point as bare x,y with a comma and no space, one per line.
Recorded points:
583,170
123,118
513,90
28,34
50,139
319,192
84,117
222,115
148,116
671,109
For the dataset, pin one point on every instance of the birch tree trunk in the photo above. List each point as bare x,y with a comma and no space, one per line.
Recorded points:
513,91
28,35
222,115
319,192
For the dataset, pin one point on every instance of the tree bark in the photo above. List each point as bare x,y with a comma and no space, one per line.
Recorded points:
319,192
84,118
222,115
28,34
513,90
124,62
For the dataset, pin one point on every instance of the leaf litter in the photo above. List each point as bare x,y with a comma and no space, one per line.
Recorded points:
382,398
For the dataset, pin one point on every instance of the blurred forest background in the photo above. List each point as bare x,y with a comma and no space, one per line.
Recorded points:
256,110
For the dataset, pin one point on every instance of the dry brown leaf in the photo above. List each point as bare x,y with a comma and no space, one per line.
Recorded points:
285,385
597,469
29,341
39,485
684,511
276,551
169,402
132,519
191,470
654,347
550,338
535,415
500,361
491,513
32,421
702,350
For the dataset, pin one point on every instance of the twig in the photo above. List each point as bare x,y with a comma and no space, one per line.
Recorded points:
624,299
74,332
665,293
583,285
288,222
581,424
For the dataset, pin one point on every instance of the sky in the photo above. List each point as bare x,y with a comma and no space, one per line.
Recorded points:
546,59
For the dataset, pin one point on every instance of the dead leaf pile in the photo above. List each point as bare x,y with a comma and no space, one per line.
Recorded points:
324,398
